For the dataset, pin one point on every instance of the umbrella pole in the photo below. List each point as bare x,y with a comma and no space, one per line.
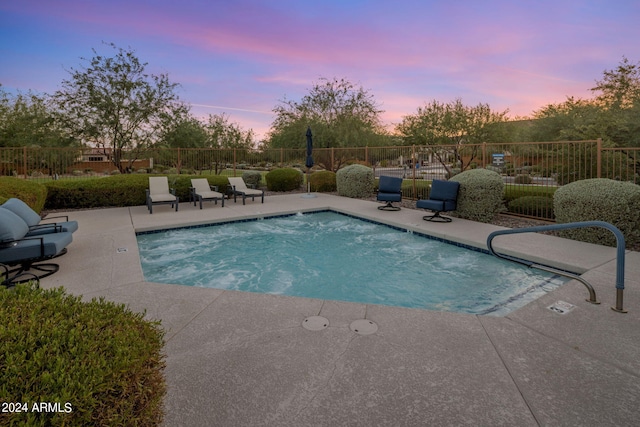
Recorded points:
308,194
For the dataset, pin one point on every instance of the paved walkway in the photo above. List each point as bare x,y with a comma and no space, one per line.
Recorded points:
244,359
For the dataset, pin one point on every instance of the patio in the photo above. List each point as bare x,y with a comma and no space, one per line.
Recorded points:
236,358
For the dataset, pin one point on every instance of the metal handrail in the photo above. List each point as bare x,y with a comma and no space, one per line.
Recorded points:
620,253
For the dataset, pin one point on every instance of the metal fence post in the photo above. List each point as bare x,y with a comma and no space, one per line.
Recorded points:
599,158
24,161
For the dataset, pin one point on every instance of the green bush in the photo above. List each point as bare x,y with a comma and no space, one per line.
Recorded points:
355,181
117,190
538,206
523,179
323,181
32,193
512,192
599,199
480,194
99,361
284,179
252,178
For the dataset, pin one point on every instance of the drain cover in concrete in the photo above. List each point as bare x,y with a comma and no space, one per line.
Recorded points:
363,327
561,307
315,323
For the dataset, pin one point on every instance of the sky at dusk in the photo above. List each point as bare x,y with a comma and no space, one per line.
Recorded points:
242,57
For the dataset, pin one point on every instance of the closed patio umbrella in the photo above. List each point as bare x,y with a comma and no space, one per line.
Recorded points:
309,162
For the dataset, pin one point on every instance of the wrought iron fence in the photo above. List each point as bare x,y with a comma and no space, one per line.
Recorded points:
532,170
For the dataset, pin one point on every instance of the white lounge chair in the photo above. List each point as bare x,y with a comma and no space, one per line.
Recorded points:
201,190
159,193
238,187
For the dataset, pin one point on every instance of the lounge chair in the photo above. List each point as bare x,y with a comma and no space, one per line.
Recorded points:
389,190
238,187
35,223
23,254
201,190
159,193
443,197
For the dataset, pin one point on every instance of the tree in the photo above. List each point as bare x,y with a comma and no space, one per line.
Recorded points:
453,124
113,103
619,88
339,114
29,120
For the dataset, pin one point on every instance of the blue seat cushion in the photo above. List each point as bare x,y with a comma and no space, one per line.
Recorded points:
444,190
436,205
23,210
34,248
389,184
12,227
389,197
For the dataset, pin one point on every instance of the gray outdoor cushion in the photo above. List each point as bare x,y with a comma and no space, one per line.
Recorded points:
12,227
35,248
23,210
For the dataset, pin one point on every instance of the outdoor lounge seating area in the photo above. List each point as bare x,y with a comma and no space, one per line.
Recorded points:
160,193
389,191
239,188
26,245
442,198
202,191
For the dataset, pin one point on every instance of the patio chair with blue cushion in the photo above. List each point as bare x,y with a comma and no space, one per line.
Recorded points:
238,187
443,197
389,190
35,223
23,254
159,193
202,190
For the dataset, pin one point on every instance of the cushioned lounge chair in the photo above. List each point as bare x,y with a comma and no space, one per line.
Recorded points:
35,223
159,193
443,197
238,187
23,254
389,190
201,190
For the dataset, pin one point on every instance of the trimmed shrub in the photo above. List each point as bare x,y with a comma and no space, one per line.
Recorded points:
323,181
599,199
32,193
480,194
101,363
523,179
538,206
117,190
512,192
252,178
355,181
284,179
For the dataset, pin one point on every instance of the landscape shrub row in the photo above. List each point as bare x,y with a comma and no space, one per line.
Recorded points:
33,194
118,190
98,362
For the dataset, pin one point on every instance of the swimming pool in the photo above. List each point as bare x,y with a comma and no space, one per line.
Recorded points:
332,256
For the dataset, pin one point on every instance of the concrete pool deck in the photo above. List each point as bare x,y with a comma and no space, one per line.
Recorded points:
240,359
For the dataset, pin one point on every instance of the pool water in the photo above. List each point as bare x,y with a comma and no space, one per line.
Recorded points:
332,256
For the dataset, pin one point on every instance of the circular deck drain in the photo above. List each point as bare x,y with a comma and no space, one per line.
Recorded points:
315,323
363,327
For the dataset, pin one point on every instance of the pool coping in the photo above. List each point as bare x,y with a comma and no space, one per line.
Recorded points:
241,359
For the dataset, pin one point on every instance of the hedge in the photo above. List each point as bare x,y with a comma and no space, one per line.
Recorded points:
117,191
32,193
98,362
